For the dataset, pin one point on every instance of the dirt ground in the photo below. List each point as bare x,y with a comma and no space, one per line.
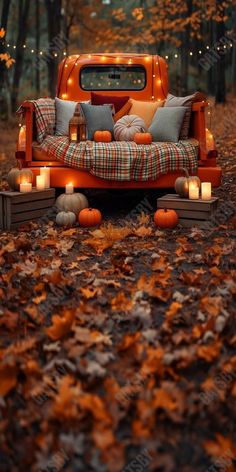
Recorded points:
118,345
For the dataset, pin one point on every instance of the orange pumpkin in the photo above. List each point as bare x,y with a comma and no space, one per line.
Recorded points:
90,217
164,218
102,136
143,138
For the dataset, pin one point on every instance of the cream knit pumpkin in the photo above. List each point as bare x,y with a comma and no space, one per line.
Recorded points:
127,127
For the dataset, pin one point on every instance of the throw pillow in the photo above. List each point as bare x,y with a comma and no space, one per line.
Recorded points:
173,101
166,124
98,118
99,99
123,111
64,111
145,110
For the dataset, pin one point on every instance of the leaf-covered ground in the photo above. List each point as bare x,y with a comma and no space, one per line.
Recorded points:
118,345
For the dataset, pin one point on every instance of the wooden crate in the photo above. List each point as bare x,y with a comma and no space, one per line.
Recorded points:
18,208
190,212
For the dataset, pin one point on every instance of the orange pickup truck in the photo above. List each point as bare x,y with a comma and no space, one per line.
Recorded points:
76,82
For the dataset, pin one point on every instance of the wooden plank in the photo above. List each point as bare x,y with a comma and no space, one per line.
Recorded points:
184,204
198,215
188,223
40,204
29,215
193,204
7,213
17,197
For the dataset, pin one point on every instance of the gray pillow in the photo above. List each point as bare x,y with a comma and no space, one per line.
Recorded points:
64,111
98,118
166,124
187,101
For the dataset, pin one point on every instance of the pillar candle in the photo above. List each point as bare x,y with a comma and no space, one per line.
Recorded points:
26,187
69,188
193,192
40,182
206,190
45,171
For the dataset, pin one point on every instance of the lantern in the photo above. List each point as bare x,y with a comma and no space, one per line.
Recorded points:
77,128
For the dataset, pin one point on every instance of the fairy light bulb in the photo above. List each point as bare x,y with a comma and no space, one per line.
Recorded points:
70,81
190,53
176,56
159,82
64,96
167,57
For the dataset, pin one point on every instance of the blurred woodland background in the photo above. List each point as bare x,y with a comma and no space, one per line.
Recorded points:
197,38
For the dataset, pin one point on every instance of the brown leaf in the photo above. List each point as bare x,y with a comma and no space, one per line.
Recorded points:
8,379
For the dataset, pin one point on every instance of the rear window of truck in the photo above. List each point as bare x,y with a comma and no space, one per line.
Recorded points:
113,77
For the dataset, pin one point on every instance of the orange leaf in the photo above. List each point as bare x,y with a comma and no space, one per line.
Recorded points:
128,341
61,325
173,309
209,353
220,447
121,302
212,305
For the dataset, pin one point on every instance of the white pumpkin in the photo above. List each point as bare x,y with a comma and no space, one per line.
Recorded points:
74,202
65,218
18,176
127,127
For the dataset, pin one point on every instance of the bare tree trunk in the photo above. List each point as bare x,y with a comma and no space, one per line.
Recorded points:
220,89
185,51
37,21
234,52
4,102
24,7
54,31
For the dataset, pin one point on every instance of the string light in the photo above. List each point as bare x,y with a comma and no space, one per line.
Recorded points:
176,55
200,52
190,53
167,57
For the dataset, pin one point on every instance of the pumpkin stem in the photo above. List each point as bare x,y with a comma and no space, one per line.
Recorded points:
19,164
186,172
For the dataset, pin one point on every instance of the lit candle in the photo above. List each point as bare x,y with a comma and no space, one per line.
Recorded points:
21,139
206,190
73,136
210,142
69,188
193,192
40,182
45,171
26,187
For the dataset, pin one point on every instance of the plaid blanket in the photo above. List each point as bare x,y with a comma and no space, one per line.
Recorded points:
123,161
45,116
